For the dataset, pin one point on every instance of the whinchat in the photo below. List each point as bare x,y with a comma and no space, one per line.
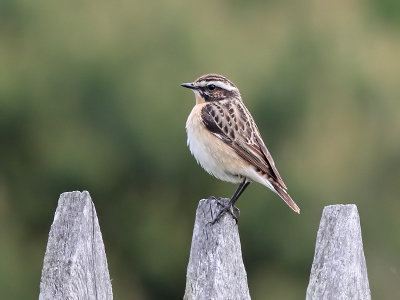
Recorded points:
226,142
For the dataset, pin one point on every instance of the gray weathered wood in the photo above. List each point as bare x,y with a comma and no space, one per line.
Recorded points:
215,270
339,270
75,263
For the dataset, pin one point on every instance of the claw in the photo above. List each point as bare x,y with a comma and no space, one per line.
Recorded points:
237,211
232,209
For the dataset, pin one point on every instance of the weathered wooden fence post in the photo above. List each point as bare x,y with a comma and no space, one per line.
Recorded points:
215,270
75,263
339,270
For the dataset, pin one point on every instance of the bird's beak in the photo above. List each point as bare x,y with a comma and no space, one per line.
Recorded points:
188,85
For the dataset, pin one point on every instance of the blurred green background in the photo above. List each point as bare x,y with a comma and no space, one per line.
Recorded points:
90,100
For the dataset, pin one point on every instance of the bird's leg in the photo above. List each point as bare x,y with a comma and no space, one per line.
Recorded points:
231,208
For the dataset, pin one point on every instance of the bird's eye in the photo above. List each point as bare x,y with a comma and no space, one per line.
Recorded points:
211,87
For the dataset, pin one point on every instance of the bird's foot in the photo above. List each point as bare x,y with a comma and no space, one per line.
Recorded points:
227,208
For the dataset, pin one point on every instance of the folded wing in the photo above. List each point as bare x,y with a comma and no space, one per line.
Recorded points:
233,124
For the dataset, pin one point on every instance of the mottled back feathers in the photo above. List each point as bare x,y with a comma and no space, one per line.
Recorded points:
231,122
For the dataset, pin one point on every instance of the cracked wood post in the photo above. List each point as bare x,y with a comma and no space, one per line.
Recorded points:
215,269
339,270
75,263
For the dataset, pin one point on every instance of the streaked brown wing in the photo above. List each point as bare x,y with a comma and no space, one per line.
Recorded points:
234,125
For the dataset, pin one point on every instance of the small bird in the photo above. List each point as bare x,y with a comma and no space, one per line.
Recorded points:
226,142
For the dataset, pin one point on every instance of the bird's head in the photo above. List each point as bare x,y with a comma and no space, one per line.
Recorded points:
213,87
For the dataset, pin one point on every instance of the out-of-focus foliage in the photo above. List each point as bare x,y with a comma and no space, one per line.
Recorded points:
90,99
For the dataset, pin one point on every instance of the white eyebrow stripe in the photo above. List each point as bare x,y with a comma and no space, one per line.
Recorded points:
220,84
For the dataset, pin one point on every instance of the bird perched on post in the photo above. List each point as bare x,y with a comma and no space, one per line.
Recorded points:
226,142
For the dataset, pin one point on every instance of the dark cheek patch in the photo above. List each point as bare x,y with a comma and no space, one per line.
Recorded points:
216,95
